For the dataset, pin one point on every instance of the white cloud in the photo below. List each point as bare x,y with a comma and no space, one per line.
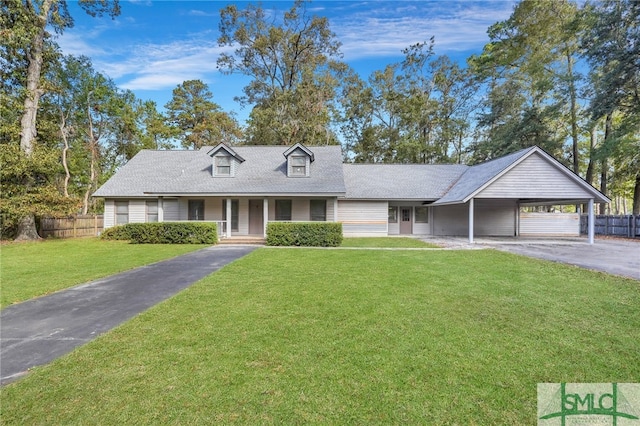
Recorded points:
386,31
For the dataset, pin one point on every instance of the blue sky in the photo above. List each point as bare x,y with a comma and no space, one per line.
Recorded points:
155,45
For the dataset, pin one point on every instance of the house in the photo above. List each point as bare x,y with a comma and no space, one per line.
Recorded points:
245,187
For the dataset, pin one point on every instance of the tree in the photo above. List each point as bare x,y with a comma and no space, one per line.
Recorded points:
612,45
30,40
415,111
294,69
196,120
533,55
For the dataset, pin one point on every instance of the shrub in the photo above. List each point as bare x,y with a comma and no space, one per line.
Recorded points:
164,233
309,234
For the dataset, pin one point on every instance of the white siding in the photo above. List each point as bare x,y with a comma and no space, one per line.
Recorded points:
137,211
212,209
331,205
183,209
109,213
300,209
363,218
534,177
171,210
451,220
549,224
491,218
494,218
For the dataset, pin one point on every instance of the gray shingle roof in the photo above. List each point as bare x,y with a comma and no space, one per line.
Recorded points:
400,181
477,176
190,172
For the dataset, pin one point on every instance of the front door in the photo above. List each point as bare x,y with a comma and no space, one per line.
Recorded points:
405,220
256,217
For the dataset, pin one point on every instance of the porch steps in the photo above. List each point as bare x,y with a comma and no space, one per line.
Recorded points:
242,241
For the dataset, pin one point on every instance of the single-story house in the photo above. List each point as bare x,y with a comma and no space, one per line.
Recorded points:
245,187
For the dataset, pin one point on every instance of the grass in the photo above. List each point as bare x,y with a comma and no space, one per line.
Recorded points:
33,269
297,336
386,242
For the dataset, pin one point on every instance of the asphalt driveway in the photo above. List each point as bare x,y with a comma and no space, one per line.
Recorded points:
37,331
614,256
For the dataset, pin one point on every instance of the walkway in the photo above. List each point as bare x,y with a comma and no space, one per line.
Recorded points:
38,331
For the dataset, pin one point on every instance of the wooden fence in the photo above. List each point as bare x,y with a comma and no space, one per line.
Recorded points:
620,225
71,227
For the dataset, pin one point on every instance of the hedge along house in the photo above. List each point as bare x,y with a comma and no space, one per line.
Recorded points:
245,187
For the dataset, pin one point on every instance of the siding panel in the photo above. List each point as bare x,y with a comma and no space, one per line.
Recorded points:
171,210
491,218
494,218
534,177
137,211
109,213
549,224
300,209
363,218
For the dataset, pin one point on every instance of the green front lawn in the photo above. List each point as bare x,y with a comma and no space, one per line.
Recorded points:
33,269
297,336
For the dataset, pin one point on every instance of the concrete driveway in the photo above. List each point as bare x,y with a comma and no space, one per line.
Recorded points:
615,256
37,331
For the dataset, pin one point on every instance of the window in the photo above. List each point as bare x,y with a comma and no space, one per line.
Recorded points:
152,211
422,214
196,209
393,214
234,213
298,165
223,165
318,209
283,209
122,212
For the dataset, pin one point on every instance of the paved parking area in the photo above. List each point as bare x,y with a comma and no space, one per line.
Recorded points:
615,256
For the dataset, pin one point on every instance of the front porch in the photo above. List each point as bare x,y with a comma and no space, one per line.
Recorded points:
245,217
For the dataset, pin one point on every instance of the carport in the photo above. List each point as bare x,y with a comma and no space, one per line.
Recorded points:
526,178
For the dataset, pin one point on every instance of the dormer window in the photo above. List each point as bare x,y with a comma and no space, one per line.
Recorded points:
298,165
299,159
223,165
225,161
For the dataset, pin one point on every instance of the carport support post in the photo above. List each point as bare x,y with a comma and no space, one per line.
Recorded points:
471,221
591,225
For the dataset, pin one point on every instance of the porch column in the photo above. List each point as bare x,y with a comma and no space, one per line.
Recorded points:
471,221
265,216
335,209
591,225
228,216
160,210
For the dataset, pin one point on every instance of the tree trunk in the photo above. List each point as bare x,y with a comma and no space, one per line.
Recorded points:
27,229
589,174
27,225
574,115
64,131
603,171
636,196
